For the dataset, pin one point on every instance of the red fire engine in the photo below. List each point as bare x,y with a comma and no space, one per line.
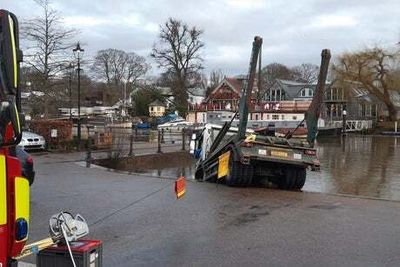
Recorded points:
14,189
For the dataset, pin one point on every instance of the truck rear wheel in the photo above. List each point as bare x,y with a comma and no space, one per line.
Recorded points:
293,178
287,181
199,174
239,174
301,174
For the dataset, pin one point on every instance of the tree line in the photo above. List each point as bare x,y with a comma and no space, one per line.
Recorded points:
178,52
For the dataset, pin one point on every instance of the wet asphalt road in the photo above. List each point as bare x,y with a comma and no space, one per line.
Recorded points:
142,224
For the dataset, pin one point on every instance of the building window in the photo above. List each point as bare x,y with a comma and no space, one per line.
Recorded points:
267,116
368,110
275,117
328,94
373,110
334,94
151,109
360,108
256,117
277,95
334,110
328,110
283,117
294,118
306,92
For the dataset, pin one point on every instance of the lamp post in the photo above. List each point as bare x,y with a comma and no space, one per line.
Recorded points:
78,52
70,68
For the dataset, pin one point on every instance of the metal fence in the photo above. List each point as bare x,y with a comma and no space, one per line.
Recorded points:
117,143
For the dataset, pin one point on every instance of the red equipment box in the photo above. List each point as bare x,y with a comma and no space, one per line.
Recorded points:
87,253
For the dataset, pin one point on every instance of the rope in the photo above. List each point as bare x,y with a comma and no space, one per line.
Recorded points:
69,248
129,205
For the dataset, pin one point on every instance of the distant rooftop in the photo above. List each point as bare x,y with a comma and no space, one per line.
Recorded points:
292,83
156,103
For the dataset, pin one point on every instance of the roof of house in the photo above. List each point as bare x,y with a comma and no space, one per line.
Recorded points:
292,83
165,91
196,91
235,83
293,88
156,103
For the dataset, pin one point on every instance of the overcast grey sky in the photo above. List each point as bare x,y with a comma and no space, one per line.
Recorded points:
294,31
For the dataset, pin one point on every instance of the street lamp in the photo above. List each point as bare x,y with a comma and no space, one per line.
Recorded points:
70,68
78,52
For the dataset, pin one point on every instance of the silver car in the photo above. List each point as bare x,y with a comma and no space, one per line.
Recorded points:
32,141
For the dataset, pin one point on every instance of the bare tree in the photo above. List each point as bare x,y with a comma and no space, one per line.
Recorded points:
178,53
46,40
136,68
374,70
216,77
117,66
306,72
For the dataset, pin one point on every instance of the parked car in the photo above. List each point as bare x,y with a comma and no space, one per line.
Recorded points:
32,141
26,163
143,125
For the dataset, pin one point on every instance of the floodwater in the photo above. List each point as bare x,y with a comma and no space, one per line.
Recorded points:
358,165
353,165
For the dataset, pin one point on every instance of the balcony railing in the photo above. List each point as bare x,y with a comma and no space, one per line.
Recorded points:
265,106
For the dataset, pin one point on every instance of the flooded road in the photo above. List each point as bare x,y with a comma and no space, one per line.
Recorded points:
358,165
355,165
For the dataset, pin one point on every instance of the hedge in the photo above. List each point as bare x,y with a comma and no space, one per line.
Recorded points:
44,127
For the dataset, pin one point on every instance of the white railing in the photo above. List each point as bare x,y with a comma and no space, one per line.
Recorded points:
352,125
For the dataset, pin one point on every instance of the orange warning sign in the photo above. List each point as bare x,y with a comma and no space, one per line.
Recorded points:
180,187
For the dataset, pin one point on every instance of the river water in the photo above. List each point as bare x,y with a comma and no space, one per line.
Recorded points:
358,165
353,165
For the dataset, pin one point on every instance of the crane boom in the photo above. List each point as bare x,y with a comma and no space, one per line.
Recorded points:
314,110
248,88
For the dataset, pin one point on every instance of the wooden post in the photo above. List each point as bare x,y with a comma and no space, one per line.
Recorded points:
159,142
135,133
131,146
183,139
89,152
